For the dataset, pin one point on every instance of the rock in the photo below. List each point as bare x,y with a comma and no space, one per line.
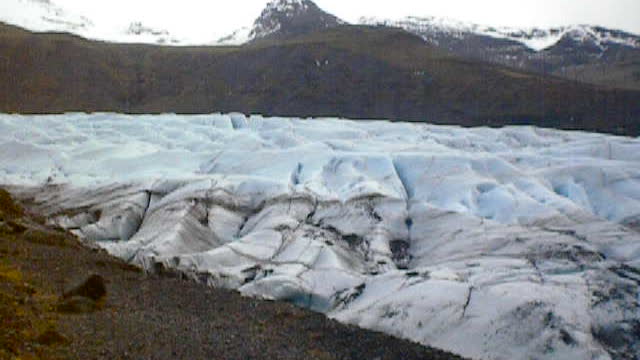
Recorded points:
78,305
93,288
52,337
15,227
86,297
8,208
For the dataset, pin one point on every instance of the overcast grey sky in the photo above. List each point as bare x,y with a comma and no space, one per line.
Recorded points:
219,17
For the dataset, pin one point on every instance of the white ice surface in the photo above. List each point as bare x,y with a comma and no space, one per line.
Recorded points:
512,243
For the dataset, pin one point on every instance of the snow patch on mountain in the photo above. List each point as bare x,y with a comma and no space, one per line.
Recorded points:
138,32
299,15
41,15
512,243
534,38
238,37
287,6
296,16
279,15
46,16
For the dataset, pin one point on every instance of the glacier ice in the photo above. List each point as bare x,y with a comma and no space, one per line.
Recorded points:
511,243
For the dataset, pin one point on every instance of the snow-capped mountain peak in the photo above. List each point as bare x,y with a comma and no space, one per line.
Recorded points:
537,39
45,15
146,34
287,6
137,28
283,18
289,17
602,36
540,39
42,15
577,52
237,37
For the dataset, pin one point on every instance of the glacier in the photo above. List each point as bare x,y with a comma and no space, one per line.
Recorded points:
510,243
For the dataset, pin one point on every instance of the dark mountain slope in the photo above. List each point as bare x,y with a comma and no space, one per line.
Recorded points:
584,53
348,71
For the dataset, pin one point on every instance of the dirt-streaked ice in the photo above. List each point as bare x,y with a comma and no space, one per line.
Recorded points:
512,243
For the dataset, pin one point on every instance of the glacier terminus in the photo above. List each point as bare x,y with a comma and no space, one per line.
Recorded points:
510,243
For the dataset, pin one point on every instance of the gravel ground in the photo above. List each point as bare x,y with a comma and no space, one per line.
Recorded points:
159,317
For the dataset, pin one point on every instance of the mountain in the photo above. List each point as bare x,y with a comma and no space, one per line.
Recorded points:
436,30
43,15
584,53
279,19
139,32
514,243
301,61
345,71
282,19
581,52
46,16
286,18
238,37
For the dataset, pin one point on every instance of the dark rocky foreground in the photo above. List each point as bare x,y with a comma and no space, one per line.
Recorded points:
152,317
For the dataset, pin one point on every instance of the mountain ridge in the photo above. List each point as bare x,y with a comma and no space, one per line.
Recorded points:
326,68
535,38
586,53
286,18
347,71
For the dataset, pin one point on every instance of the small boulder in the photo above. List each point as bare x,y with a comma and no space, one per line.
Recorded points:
78,305
52,337
89,296
8,208
16,227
